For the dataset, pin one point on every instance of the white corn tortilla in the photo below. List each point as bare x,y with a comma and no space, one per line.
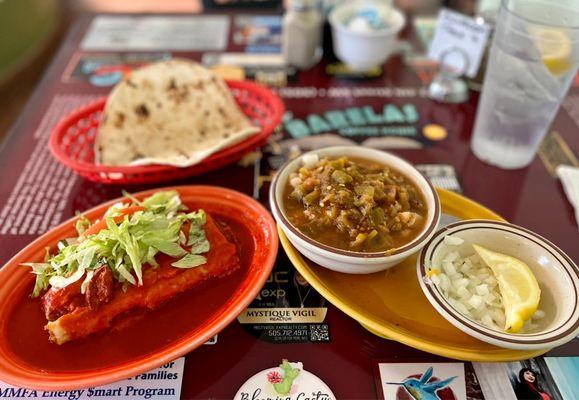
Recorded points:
172,112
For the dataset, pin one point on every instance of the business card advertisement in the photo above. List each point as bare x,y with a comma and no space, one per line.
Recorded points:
163,383
550,378
287,309
288,381
410,381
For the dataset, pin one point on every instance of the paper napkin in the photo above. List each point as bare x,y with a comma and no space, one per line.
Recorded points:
569,177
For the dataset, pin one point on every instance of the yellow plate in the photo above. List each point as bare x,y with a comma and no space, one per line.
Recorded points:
391,304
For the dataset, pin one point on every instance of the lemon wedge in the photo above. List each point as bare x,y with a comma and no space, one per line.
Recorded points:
555,47
518,286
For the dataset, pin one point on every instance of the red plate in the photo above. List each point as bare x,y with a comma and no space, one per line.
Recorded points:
28,359
72,140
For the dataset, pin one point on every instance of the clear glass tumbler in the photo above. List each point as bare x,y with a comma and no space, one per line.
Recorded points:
533,60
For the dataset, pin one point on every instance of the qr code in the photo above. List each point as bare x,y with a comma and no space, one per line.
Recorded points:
320,333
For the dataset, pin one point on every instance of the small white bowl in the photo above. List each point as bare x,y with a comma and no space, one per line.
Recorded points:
352,262
557,275
365,50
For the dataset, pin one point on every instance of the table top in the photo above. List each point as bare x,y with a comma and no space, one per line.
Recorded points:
37,193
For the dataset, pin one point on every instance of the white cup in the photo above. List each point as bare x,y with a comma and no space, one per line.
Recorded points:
365,50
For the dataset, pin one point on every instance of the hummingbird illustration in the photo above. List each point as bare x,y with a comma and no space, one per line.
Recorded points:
421,389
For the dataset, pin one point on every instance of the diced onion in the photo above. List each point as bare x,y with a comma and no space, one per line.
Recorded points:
482,290
86,281
310,160
453,240
59,282
471,288
295,181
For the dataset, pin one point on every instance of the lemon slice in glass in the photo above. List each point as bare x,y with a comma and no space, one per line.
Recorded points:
518,286
555,47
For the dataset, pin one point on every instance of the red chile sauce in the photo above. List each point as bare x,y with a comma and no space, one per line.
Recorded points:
144,335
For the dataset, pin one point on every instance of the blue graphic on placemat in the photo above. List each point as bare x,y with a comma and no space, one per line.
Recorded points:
104,70
421,389
262,49
259,34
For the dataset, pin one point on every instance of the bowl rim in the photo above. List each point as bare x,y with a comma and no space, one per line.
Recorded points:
419,240
473,328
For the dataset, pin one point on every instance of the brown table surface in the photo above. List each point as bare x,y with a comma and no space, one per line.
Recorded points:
530,197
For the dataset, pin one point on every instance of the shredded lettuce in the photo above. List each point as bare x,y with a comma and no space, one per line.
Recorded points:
58,282
86,281
115,209
190,261
197,240
82,224
126,245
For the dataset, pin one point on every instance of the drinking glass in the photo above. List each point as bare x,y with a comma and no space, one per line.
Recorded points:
533,60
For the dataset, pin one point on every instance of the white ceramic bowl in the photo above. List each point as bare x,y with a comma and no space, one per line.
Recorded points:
349,261
365,50
557,275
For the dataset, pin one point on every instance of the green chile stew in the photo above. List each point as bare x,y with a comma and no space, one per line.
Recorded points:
354,204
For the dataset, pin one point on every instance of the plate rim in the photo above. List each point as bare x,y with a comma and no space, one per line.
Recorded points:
21,375
433,347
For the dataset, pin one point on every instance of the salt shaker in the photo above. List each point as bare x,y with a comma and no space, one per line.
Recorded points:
302,33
